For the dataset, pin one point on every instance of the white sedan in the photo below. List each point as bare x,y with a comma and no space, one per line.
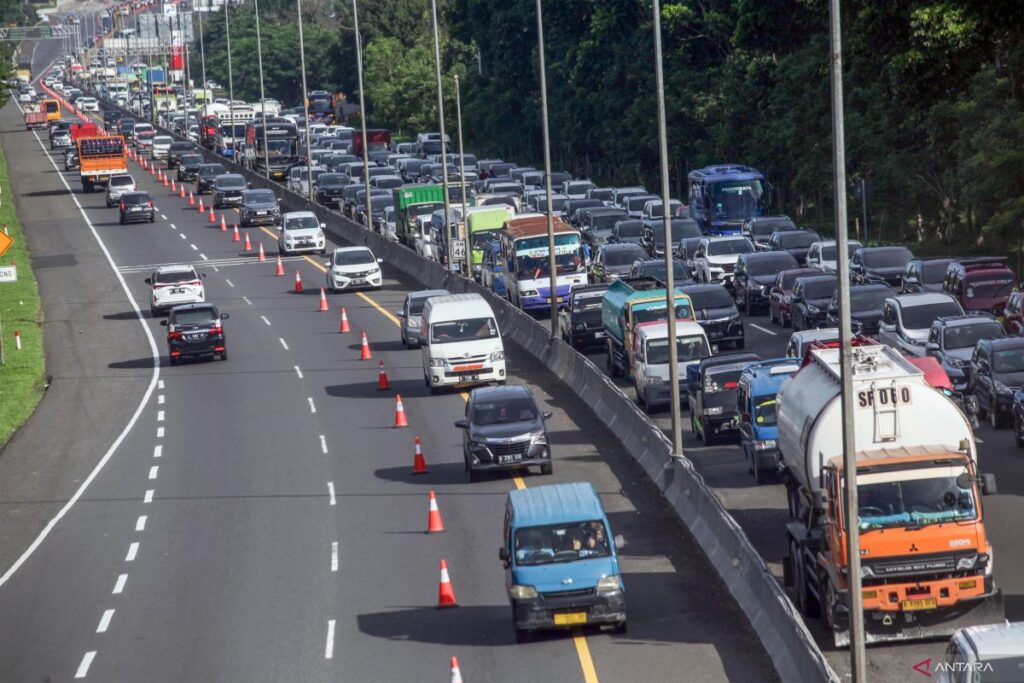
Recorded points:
87,104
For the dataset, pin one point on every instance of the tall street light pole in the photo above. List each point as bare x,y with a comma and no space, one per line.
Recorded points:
202,52
368,212
462,177
552,262
444,148
857,656
263,98
670,294
231,79
305,107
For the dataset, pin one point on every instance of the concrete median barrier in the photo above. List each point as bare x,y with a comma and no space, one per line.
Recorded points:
783,634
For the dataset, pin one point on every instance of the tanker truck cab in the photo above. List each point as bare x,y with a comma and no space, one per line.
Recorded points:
757,401
561,561
650,353
926,562
712,388
460,342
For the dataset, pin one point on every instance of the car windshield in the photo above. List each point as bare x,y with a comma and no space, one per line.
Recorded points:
766,228
482,237
989,287
967,336
711,298
894,257
687,349
467,329
681,229
768,265
764,411
820,289
119,180
829,251
932,498
163,140
416,303
729,247
659,312
561,543
631,229
260,197
933,272
139,198
868,299
330,179
171,277
354,257
656,269
604,221
798,240
310,222
231,182
922,317
520,409
623,257
736,199
1010,360
191,160
198,316
211,170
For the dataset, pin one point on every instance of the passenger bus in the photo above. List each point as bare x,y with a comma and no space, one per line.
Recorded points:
52,109
524,248
320,106
722,197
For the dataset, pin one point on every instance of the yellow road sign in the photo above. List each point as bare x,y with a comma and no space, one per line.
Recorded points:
5,243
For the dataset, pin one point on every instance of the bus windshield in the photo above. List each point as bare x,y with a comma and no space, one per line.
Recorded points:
532,255
736,199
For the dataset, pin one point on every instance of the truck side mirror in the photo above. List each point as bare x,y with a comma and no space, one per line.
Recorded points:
988,484
462,424
504,555
620,542
931,348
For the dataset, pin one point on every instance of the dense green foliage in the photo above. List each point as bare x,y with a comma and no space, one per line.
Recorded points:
934,94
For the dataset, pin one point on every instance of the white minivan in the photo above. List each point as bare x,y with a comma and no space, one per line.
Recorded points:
460,342
650,357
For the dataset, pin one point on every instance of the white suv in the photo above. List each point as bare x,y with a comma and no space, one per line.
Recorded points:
352,267
907,319
173,286
301,231
117,186
715,258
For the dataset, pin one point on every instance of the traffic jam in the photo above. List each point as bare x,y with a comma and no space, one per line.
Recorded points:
937,346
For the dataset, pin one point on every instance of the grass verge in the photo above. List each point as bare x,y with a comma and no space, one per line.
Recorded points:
23,374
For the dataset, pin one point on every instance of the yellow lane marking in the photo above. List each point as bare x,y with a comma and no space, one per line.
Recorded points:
321,266
267,230
383,311
586,663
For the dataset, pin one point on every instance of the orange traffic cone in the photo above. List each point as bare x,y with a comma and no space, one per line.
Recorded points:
166,184
181,191
174,187
323,302
248,244
201,208
191,197
223,224
236,237
298,282
456,674
400,420
364,351
279,270
434,523
382,379
445,594
263,256
419,463
343,325
212,218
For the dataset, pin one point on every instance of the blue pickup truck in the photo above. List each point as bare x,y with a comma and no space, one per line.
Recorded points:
759,433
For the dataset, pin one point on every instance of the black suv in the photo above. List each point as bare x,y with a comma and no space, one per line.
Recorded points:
952,339
504,429
796,242
808,305
760,228
228,189
997,373
924,275
188,167
754,276
137,207
580,321
880,265
712,388
205,176
176,151
260,207
865,307
716,312
111,118
655,268
195,330
329,187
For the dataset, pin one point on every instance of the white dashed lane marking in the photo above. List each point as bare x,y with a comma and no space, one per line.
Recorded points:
133,550
284,343
105,621
83,668
122,579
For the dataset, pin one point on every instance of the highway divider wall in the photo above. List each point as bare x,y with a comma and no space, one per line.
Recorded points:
794,654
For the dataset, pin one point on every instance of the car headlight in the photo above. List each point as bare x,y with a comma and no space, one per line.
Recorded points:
653,379
717,410
812,309
856,326
1001,388
518,592
764,445
497,355
539,438
967,562
413,323
528,292
609,584
437,362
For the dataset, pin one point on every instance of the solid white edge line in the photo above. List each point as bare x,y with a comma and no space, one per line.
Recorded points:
766,331
135,416
83,668
105,621
329,647
122,579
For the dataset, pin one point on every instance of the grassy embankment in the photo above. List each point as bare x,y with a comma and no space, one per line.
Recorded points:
23,374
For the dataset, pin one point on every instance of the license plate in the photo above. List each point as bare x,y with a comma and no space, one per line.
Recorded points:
924,603
356,282
570,619
178,290
466,368
261,213
715,335
194,337
600,335
507,459
560,299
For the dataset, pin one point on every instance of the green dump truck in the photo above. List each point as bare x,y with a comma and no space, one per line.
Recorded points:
627,303
411,202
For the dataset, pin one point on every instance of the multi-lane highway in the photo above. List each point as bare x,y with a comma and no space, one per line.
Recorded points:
257,519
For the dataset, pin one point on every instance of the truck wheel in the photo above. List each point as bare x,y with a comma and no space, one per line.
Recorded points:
746,305
640,400
996,418
805,601
1016,432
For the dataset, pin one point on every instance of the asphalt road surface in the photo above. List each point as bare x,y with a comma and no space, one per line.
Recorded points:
258,519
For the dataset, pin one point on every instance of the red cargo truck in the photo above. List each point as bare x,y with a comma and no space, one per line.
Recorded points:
379,140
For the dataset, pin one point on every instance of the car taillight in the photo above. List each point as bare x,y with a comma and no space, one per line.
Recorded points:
217,329
151,203
123,206
193,283
174,335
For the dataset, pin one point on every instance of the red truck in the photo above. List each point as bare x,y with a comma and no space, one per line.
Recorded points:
379,139
35,118
84,130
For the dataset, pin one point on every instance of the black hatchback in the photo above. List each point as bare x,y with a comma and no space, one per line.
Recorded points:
504,429
137,207
195,330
